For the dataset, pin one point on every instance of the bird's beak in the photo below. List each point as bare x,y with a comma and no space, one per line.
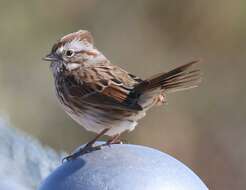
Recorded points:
50,57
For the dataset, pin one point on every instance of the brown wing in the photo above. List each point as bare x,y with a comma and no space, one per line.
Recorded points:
107,91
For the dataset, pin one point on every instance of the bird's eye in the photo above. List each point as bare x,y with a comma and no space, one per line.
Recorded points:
69,53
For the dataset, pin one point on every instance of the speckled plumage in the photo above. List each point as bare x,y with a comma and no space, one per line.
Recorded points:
100,95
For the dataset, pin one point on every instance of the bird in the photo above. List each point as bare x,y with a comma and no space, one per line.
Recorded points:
101,96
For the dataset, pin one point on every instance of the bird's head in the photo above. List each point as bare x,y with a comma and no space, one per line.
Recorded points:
73,51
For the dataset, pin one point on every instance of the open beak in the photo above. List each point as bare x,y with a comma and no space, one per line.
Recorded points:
50,57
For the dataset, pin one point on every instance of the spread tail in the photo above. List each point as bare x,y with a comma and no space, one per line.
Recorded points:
180,78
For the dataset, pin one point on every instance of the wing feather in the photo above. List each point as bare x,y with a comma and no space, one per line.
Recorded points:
102,92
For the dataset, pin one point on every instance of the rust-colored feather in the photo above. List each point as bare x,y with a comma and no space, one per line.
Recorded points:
80,35
103,88
115,92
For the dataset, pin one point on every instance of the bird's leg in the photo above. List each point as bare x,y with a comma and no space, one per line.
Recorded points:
87,148
90,143
114,140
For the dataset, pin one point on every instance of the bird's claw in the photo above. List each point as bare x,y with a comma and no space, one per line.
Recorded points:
88,149
68,158
82,151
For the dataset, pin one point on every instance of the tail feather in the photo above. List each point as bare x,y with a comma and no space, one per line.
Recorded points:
181,78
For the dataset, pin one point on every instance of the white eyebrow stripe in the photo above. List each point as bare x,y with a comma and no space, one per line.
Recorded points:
78,45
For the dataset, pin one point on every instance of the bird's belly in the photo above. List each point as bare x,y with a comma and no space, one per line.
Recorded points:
95,120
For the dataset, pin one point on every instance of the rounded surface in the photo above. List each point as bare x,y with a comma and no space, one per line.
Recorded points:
123,167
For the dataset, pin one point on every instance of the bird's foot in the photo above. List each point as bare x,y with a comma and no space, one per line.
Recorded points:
81,151
87,148
125,141
114,140
118,141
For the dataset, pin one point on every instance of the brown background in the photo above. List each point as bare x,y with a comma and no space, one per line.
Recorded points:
204,128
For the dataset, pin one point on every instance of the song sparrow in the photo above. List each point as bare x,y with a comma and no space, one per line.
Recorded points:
103,97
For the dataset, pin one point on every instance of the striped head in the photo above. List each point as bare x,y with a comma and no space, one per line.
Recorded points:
73,51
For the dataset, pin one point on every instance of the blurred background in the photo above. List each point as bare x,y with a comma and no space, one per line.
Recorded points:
204,128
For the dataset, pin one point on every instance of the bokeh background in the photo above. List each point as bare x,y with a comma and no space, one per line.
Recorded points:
204,128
